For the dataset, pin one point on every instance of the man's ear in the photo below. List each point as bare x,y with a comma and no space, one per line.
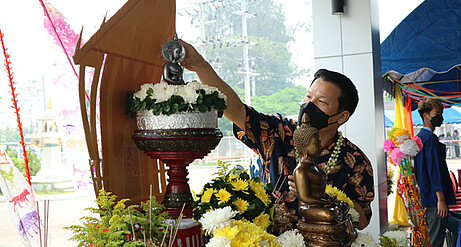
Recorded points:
427,116
343,117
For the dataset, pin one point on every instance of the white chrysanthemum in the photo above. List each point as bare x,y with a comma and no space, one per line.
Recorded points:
409,147
219,241
194,85
217,218
399,236
354,215
189,94
142,94
208,89
402,138
222,96
364,239
291,238
162,91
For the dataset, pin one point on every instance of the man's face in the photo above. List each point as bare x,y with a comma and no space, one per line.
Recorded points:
325,96
434,112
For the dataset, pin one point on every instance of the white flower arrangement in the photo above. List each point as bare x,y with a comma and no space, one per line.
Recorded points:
400,237
217,218
364,239
219,241
163,98
388,239
226,231
291,238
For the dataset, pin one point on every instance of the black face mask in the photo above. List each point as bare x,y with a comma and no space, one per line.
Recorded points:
437,120
318,119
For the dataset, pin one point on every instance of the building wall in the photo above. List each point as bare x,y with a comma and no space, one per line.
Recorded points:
349,43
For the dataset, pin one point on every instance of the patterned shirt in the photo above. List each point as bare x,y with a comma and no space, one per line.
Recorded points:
271,137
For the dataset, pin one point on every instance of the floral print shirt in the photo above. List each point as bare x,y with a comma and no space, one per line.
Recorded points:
271,137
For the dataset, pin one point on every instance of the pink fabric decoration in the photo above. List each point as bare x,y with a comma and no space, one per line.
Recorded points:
418,142
388,145
396,155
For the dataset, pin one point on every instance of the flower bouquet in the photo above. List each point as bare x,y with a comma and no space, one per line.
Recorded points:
401,148
227,231
118,225
388,239
250,198
162,98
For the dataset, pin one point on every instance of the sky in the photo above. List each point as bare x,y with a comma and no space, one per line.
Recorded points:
33,51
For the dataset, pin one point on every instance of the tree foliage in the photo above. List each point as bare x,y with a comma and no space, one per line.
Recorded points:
268,53
35,163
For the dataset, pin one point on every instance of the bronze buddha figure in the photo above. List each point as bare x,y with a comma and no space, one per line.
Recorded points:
325,220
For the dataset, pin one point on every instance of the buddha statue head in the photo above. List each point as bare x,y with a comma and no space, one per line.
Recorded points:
306,139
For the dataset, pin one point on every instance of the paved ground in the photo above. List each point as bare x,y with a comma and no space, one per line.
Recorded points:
66,210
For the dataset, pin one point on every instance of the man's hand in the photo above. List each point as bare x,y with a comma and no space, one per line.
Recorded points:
291,183
193,60
442,209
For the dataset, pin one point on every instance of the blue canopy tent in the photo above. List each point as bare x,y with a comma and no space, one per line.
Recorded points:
423,53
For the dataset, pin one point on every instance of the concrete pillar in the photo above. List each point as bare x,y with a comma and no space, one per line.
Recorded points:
349,43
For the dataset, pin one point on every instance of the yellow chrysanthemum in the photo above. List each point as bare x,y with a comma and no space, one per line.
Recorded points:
263,196
223,196
229,232
239,184
233,177
262,220
399,135
271,212
249,235
339,195
207,195
241,204
257,186
400,132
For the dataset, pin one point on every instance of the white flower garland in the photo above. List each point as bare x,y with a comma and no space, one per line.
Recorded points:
334,156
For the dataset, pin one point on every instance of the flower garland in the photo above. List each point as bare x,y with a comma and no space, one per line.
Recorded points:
334,156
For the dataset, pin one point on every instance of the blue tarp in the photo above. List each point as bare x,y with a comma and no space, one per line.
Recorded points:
450,115
429,37
425,49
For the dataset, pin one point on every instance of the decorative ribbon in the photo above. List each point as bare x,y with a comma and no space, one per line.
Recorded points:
15,106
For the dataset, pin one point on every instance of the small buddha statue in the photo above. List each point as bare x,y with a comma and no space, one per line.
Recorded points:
325,220
174,53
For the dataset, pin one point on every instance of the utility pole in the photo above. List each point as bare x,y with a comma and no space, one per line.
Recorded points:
246,61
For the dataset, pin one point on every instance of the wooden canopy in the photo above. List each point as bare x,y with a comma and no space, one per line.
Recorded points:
129,46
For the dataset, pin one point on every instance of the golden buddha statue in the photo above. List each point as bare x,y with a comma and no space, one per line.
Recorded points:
325,220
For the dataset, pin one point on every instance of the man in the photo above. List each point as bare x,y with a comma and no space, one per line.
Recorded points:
456,142
331,100
431,172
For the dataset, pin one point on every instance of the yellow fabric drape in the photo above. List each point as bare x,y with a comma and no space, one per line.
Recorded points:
400,216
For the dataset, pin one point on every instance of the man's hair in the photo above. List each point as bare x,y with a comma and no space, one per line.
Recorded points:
426,106
349,97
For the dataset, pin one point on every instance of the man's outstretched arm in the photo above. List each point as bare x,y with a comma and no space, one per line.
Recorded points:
195,62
